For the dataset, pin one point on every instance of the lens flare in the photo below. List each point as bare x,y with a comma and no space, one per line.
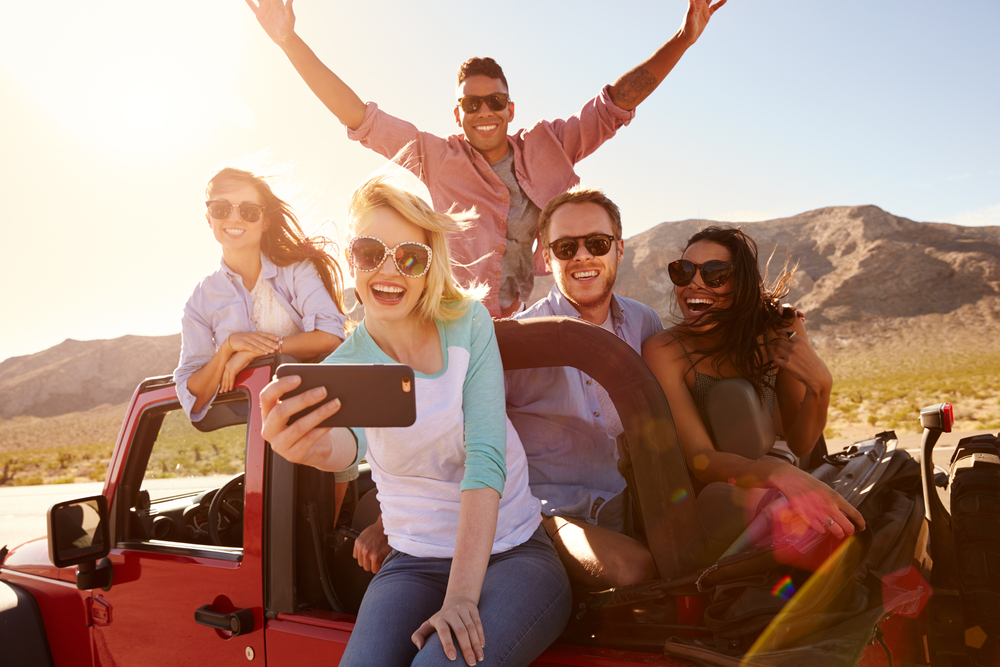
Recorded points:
784,589
678,495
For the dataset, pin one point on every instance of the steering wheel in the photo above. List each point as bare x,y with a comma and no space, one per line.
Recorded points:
234,515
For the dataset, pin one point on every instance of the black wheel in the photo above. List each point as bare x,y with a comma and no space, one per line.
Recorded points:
974,482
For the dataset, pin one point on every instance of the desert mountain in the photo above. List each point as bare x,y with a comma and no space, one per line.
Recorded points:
75,376
864,276
78,375
855,264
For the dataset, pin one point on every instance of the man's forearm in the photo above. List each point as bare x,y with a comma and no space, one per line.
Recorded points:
327,86
635,85
639,82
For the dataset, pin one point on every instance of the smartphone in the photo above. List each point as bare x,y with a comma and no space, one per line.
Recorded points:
379,395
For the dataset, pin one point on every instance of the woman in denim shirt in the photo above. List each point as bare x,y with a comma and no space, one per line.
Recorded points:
276,290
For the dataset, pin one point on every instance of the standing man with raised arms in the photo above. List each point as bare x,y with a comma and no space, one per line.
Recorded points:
507,178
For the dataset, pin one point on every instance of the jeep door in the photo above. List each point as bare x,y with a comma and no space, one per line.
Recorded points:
168,560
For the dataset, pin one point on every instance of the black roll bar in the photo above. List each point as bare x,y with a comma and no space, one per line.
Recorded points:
662,488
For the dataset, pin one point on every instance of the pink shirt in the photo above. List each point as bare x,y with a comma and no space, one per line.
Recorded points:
456,173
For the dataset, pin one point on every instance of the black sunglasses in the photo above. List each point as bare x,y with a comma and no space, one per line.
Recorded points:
714,272
220,210
496,102
367,253
597,245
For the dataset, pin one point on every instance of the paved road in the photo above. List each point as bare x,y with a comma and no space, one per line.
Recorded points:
23,508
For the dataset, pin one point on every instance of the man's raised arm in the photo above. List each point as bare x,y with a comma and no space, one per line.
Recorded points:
278,21
636,85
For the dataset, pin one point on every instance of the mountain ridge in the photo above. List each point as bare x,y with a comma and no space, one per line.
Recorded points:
865,278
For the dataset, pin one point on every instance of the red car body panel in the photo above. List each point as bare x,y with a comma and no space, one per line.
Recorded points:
64,612
146,618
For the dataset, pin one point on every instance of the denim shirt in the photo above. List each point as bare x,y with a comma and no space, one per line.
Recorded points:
572,462
220,305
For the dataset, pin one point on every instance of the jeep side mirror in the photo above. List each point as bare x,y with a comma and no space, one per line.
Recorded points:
79,535
940,417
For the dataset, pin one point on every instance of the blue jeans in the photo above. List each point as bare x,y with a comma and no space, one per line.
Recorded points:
524,606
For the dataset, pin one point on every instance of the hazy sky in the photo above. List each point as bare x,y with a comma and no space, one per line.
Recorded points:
114,114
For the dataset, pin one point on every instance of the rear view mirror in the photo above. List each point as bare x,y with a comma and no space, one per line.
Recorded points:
78,531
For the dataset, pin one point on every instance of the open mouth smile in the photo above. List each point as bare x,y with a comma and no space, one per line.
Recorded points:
387,293
698,304
589,274
234,232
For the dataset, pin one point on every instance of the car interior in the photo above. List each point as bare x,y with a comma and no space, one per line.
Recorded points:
183,483
325,577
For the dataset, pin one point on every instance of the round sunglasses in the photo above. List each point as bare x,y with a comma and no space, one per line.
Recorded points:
367,253
221,209
714,272
597,245
496,102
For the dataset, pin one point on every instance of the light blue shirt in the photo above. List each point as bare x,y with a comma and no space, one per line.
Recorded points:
220,305
572,461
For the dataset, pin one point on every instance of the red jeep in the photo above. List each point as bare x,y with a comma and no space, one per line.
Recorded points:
175,566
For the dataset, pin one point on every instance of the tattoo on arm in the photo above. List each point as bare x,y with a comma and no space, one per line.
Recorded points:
634,86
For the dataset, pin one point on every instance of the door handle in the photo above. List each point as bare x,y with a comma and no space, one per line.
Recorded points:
239,622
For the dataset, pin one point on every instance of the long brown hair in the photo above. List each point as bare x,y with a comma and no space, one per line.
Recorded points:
754,313
283,241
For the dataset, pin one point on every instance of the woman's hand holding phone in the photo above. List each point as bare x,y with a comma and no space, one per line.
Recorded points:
304,441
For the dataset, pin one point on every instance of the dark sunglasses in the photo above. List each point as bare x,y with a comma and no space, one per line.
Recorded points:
496,102
714,272
597,245
367,253
220,210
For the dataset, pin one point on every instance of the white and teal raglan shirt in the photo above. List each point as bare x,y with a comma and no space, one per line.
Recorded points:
461,440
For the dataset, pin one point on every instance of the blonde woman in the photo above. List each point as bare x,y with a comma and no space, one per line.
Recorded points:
468,555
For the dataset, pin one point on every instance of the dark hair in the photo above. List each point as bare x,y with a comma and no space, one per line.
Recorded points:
754,313
481,66
283,241
580,196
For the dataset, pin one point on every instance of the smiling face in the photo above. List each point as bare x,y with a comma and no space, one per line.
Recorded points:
233,233
696,298
486,130
388,295
585,280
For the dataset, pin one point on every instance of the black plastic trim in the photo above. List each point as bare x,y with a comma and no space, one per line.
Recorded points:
22,630
232,554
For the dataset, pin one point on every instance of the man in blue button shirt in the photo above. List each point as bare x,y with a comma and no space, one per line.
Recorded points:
566,421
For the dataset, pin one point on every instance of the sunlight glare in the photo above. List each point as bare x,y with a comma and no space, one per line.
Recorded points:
239,114
143,84
145,107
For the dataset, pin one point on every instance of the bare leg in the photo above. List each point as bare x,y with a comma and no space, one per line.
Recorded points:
598,557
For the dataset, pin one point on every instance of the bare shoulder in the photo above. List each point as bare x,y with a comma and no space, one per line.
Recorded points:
663,349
